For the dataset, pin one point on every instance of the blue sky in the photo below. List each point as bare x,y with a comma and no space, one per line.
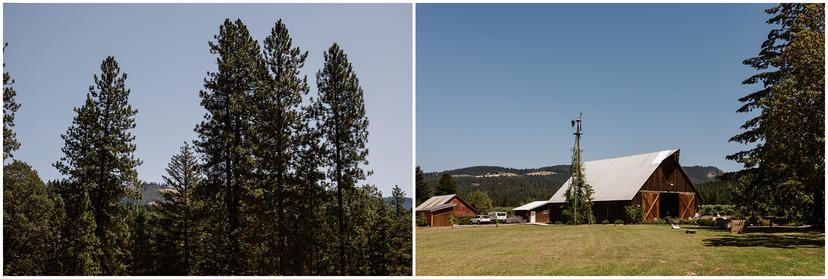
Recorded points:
55,49
498,84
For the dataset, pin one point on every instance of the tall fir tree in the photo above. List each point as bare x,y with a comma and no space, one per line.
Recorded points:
10,107
177,211
28,232
99,158
423,189
225,141
343,124
784,172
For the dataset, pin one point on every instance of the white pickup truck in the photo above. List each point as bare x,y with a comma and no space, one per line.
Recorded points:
499,217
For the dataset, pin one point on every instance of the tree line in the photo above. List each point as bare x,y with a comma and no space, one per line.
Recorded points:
271,186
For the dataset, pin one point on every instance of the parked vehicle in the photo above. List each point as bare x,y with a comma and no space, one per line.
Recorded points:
499,217
481,219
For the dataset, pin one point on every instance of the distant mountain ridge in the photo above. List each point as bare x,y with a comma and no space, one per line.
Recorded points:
151,193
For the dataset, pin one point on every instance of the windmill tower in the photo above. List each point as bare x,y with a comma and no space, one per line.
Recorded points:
579,192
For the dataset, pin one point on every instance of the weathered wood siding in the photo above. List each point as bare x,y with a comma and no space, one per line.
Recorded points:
461,208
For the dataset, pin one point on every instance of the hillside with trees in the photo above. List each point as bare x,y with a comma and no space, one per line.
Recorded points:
528,185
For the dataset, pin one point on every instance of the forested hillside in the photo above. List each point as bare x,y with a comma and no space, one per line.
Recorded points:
535,184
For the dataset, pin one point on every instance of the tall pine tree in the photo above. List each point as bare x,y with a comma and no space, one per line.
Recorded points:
784,172
225,141
278,144
343,124
99,159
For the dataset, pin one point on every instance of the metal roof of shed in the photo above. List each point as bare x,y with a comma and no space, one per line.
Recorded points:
434,201
619,178
531,205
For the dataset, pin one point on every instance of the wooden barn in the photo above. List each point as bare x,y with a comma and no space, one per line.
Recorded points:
439,209
654,181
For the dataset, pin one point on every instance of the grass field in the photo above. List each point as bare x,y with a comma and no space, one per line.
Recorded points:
615,250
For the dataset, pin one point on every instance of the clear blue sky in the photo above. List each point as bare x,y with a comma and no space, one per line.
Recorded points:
55,49
498,84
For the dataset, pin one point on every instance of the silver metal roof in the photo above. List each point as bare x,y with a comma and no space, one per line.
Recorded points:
530,206
617,178
434,202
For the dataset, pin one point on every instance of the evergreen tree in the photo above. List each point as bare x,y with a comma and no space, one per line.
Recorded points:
225,141
78,248
10,106
277,143
340,111
177,211
446,185
99,158
149,252
423,189
28,234
784,173
401,231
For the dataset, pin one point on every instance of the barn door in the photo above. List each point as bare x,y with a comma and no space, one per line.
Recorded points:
686,207
649,201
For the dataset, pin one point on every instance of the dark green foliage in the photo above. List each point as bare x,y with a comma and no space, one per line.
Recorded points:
98,160
423,190
605,222
446,186
10,106
716,191
177,211
717,209
634,214
619,222
29,234
784,173
225,140
510,191
340,112
480,201
78,247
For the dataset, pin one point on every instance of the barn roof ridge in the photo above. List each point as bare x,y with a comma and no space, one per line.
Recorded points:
618,178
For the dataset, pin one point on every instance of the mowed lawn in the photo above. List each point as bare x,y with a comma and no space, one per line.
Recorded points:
615,250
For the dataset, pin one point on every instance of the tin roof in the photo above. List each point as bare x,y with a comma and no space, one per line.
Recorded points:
617,178
434,201
531,205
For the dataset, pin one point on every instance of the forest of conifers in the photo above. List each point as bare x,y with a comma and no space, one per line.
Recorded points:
272,185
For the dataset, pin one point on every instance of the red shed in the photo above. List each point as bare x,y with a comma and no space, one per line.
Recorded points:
439,209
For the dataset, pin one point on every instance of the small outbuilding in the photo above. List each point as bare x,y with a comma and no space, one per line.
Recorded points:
534,212
653,181
439,209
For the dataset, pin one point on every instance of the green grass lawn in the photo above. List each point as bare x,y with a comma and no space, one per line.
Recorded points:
615,250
